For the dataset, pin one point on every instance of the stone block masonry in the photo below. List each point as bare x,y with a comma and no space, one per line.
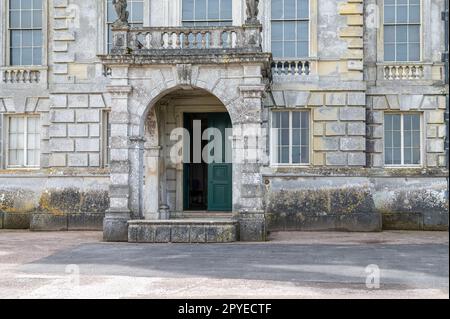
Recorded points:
339,135
75,130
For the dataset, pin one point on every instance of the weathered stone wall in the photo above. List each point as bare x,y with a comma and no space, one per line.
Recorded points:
45,202
300,202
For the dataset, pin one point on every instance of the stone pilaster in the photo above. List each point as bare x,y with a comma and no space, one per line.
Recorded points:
115,226
250,146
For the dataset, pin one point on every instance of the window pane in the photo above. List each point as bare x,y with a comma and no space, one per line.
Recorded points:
285,155
402,52
37,19
289,49
296,152
26,4
27,38
414,52
14,4
137,12
25,21
27,56
392,139
414,33
37,4
277,30
37,38
277,9
402,14
289,31
303,9
16,39
213,9
389,52
226,12
389,14
111,12
401,33
414,13
416,156
188,9
397,159
200,10
289,9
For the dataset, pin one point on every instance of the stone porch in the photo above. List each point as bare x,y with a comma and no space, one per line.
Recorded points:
148,65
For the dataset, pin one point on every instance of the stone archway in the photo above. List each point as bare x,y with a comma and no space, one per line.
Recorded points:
163,188
134,94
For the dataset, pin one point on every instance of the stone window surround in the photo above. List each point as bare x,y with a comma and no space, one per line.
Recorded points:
422,142
5,34
172,16
310,138
5,149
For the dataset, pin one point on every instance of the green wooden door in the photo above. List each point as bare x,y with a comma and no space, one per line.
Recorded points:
220,170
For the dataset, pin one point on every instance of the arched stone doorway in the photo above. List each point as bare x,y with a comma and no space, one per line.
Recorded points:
138,93
172,185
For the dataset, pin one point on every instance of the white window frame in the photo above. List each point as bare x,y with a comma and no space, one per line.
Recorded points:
312,7
106,143
402,146
207,21
5,59
6,121
272,148
380,35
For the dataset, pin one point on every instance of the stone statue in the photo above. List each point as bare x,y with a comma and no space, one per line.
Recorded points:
122,13
252,11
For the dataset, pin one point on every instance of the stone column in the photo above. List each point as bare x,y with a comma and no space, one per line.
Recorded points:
249,157
115,227
136,152
151,185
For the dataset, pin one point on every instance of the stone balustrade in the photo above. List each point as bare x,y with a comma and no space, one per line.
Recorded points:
403,72
22,74
150,40
292,67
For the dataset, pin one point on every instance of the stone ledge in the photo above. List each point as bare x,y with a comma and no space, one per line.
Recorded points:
182,231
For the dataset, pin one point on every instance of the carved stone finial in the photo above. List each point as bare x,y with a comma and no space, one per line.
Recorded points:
252,12
122,14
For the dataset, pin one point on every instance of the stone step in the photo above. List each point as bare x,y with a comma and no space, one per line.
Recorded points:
208,230
201,215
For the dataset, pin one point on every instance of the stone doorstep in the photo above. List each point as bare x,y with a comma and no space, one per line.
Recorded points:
183,231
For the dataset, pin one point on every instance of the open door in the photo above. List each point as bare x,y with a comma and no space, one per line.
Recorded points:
220,173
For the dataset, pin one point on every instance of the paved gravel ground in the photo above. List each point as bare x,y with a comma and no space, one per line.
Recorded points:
291,265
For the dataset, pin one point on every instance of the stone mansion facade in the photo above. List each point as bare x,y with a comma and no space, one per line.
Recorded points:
338,110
